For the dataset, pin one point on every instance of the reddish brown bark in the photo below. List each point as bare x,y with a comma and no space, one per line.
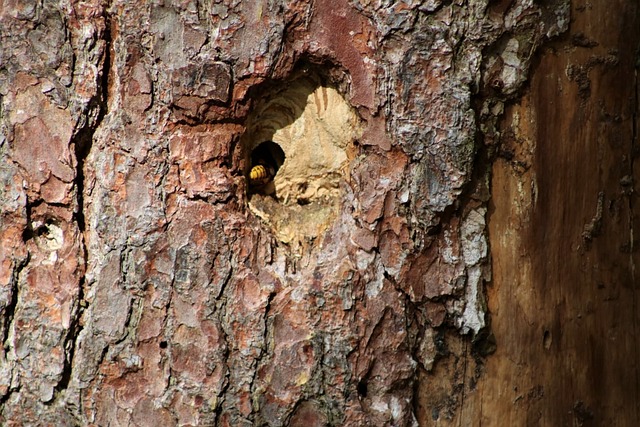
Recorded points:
145,282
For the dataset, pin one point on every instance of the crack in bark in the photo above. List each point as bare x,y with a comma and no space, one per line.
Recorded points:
166,325
9,314
465,358
594,227
82,142
225,281
221,313
211,198
225,358
7,396
127,323
70,340
10,309
263,350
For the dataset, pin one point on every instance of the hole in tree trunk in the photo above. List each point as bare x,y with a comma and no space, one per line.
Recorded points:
298,143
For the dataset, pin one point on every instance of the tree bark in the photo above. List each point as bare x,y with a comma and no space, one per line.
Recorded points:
150,276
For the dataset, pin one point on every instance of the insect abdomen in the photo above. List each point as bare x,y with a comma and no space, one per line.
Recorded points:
260,175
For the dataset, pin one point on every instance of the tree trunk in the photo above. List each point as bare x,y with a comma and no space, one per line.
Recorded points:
280,213
564,297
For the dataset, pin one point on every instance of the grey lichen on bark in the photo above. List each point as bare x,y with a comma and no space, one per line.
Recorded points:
137,287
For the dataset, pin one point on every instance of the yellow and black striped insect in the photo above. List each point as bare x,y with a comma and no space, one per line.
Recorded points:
261,174
266,159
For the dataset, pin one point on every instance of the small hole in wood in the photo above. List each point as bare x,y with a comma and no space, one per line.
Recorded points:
546,340
362,388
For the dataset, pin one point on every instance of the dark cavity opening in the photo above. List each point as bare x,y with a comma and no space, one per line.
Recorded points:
362,387
266,159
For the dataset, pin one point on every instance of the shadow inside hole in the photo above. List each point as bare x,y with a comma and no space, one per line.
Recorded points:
38,229
266,159
362,387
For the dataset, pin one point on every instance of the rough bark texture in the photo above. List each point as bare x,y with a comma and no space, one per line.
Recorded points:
144,284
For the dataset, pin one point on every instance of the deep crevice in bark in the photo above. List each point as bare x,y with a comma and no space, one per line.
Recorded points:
10,309
83,140
9,314
82,143
220,313
263,352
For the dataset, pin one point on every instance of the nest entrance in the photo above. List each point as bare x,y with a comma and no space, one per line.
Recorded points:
304,132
